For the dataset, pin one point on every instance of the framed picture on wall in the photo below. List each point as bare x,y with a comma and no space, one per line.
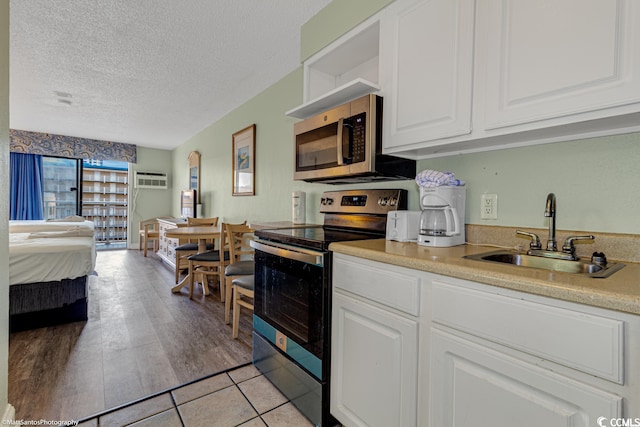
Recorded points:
244,161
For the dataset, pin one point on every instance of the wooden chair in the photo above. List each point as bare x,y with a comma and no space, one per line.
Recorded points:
239,237
242,297
191,248
149,232
211,264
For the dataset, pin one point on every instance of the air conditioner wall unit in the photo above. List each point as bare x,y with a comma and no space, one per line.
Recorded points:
153,180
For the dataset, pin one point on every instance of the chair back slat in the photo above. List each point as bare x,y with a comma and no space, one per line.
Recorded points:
238,238
202,222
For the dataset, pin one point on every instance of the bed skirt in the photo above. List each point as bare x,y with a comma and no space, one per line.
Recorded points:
36,305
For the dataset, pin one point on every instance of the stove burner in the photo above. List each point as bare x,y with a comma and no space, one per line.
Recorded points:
318,238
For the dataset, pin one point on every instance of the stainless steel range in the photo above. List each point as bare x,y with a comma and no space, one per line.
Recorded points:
292,306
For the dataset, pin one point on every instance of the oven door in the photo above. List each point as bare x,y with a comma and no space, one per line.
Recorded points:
292,294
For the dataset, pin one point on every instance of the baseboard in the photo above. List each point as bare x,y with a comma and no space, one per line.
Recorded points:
9,416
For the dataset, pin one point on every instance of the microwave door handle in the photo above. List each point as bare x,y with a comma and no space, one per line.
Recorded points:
339,142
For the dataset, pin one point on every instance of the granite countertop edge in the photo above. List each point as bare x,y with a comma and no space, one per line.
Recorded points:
620,291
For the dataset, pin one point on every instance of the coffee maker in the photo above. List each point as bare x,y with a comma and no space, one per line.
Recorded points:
442,218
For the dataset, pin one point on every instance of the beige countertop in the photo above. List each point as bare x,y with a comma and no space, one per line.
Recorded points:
620,291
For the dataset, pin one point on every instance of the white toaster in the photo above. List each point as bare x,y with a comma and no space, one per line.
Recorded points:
403,226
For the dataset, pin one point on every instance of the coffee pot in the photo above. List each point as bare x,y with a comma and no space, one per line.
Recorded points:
439,221
442,217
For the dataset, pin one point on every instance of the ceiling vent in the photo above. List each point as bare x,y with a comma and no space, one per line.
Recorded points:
154,180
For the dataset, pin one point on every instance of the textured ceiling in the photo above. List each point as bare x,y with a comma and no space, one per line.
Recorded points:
146,72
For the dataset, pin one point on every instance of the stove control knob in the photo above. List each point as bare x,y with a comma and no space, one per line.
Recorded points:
327,201
383,201
393,201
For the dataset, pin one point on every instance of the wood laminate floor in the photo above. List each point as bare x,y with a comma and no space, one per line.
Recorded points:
140,339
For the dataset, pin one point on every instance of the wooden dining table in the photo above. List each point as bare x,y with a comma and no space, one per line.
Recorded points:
201,234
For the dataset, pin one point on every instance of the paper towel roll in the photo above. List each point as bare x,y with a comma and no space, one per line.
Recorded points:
298,205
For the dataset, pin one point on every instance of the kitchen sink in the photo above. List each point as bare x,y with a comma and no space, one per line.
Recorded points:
561,265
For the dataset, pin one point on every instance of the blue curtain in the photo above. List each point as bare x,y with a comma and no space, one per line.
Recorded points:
26,186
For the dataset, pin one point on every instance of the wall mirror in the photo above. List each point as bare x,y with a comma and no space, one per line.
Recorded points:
194,173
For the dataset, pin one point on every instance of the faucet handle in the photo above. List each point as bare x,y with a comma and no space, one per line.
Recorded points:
535,240
568,247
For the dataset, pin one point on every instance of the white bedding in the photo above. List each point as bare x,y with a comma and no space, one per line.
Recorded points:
34,226
34,260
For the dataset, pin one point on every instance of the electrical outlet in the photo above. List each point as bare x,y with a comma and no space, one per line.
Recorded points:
489,206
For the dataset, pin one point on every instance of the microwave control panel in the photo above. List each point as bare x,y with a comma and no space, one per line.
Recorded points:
359,124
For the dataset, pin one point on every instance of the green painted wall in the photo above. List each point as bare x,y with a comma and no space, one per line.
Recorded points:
594,180
274,138
274,161
149,203
4,203
334,20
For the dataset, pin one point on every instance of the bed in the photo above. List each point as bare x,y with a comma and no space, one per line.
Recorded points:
49,264
30,226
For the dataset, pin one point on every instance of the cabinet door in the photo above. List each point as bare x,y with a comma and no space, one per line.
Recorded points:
552,59
475,386
373,365
426,57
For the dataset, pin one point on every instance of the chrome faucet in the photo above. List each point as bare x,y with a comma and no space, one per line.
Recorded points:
568,249
550,212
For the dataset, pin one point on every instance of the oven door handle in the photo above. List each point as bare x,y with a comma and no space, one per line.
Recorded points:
290,252
339,142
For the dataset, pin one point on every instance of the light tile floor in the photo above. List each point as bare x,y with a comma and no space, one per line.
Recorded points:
239,397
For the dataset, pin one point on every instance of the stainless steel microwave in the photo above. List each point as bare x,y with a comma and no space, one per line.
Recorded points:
344,145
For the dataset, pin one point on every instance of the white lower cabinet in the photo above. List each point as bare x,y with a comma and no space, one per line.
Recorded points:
374,355
375,365
412,348
475,386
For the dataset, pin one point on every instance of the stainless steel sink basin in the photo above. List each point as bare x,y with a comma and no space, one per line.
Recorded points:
564,266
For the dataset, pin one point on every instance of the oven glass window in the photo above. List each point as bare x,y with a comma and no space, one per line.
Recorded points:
292,296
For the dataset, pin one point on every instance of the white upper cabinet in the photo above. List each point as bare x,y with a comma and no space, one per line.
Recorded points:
426,48
461,76
552,59
464,76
